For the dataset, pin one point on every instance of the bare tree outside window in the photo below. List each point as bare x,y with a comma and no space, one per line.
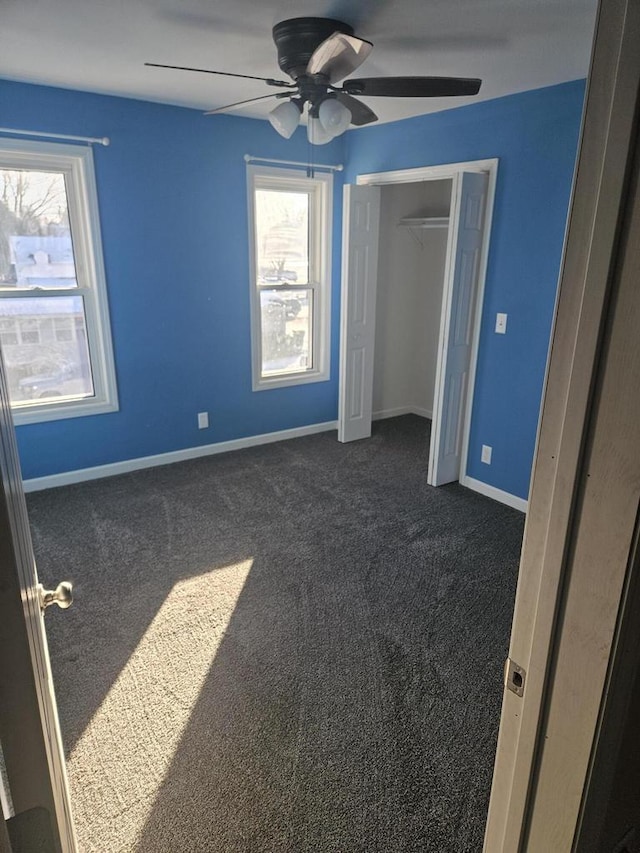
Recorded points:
36,253
34,217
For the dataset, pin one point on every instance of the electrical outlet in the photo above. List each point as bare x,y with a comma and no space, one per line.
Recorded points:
485,456
203,420
501,324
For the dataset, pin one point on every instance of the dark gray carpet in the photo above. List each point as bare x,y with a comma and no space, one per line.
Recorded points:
297,647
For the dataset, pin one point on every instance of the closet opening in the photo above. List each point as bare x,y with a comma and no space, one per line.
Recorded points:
415,248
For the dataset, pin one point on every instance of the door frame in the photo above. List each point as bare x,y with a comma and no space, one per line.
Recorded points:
448,171
564,627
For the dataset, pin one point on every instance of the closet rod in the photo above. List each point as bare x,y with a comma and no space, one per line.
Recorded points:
101,140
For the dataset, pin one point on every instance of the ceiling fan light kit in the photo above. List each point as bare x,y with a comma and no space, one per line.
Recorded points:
316,134
285,118
334,116
317,53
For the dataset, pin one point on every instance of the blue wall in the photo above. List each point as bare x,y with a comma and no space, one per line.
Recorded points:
172,199
173,209
535,136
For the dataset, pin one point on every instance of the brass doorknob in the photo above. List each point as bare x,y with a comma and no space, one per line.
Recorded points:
62,595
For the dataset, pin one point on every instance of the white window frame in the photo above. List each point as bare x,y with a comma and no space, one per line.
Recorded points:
320,222
77,166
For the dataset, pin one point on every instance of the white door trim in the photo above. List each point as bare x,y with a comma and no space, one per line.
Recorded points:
525,796
427,173
439,173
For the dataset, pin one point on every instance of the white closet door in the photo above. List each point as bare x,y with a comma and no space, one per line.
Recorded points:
361,218
469,195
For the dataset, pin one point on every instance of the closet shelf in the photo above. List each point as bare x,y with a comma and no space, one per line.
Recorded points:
422,223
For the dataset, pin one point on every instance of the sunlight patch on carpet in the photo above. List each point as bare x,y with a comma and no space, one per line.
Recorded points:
148,708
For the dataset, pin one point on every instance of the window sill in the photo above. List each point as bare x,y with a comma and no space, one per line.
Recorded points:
291,380
60,411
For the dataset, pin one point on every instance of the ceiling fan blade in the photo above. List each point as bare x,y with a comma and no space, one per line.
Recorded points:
412,87
247,101
268,80
338,56
360,113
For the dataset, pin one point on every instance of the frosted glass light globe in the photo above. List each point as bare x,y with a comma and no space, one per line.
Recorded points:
316,134
285,118
334,117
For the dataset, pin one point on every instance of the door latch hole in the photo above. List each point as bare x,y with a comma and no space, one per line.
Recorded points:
515,677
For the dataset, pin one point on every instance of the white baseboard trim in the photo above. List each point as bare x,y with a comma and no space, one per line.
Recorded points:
423,413
497,494
81,475
401,410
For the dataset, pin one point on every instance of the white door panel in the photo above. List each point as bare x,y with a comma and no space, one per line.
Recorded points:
361,218
30,732
469,194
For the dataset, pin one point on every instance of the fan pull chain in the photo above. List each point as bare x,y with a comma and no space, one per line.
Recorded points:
310,168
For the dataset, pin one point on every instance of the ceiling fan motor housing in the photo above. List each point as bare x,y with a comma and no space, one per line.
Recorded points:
297,38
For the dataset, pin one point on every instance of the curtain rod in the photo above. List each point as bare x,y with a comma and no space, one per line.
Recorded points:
338,167
102,140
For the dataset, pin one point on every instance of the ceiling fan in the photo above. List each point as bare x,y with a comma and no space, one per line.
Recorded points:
317,53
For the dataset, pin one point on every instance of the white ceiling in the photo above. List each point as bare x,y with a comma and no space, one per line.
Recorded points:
101,45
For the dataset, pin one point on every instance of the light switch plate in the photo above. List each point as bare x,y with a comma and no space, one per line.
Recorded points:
501,324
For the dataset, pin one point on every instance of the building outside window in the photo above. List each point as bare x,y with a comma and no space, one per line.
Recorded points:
290,252
54,321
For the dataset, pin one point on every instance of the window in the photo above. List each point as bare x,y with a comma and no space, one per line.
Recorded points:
8,332
54,324
64,328
29,331
290,242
